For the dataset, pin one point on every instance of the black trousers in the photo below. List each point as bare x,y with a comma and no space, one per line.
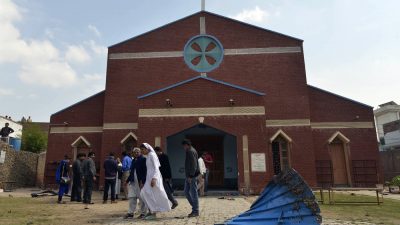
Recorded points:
87,192
109,183
169,191
76,193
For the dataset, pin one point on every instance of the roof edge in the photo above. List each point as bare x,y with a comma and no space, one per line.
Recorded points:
204,11
340,96
200,77
77,103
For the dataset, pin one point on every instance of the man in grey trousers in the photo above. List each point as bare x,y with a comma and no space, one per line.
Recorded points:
89,176
191,172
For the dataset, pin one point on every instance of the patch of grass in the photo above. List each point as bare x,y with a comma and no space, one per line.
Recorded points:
387,213
21,211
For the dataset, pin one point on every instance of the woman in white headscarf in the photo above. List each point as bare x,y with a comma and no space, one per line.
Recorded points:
153,193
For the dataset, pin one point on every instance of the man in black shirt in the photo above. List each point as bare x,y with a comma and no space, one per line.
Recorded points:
165,170
5,131
76,194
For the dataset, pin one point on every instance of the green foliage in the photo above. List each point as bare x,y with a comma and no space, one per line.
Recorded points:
395,181
33,139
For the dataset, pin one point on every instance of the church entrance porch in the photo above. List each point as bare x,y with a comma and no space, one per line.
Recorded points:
219,144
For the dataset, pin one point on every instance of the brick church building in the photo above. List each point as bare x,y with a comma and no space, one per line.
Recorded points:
237,91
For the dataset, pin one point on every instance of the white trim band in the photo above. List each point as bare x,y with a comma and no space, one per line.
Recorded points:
120,126
71,130
341,125
175,54
288,123
217,111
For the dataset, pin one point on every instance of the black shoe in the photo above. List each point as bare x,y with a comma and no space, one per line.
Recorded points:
174,205
193,214
128,216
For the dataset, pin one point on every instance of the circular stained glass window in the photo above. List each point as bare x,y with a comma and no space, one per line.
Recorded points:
203,53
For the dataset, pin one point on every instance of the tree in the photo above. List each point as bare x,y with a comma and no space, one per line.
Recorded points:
33,138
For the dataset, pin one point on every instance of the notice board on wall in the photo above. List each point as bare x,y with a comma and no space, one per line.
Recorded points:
258,162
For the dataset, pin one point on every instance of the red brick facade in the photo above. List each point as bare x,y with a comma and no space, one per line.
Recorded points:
281,76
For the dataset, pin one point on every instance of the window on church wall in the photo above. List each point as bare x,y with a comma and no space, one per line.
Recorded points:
280,155
129,144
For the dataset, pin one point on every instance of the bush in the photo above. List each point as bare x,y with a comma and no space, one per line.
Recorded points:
395,181
33,139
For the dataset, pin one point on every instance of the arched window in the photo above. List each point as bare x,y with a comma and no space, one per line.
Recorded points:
80,145
129,142
280,146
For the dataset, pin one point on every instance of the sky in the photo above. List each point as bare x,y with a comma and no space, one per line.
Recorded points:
54,53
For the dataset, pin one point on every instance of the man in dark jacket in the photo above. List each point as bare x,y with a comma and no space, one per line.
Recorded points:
191,171
76,194
89,176
165,170
110,175
135,182
5,131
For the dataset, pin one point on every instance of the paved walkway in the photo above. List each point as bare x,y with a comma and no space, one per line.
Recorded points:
212,210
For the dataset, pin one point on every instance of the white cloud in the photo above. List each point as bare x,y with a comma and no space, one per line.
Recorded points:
38,61
77,54
94,29
52,74
93,77
98,49
6,92
255,15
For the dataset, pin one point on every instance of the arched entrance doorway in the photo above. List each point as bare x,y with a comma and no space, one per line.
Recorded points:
221,145
337,146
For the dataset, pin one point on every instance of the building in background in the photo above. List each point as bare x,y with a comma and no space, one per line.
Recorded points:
386,113
238,92
391,136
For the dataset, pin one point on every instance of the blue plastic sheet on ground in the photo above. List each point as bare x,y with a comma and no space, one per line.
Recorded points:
286,200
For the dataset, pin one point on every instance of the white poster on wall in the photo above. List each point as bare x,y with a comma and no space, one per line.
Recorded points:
258,162
2,156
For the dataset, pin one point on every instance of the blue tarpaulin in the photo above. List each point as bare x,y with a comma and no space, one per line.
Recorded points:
286,200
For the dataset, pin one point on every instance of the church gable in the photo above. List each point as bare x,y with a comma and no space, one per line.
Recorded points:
232,33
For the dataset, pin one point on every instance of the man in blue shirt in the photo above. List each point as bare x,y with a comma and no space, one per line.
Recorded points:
126,167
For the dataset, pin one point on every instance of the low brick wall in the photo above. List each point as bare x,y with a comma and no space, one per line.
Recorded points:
19,167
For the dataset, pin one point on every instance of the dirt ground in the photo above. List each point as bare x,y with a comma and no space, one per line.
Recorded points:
18,208
45,210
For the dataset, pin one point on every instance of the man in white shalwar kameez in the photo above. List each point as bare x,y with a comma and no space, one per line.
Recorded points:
153,193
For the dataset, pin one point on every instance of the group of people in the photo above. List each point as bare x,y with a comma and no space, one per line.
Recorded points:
145,176
84,171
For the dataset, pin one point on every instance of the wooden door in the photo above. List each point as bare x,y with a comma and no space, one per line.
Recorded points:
338,164
215,146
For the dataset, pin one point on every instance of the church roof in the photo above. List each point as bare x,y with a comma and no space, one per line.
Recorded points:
205,78
210,13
